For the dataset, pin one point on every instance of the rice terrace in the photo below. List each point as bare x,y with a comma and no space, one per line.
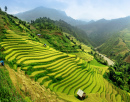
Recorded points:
47,56
62,73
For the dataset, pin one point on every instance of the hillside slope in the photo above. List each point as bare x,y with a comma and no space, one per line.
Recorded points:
60,26
101,30
117,45
58,71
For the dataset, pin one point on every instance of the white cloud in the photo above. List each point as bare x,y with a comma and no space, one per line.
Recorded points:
78,9
92,9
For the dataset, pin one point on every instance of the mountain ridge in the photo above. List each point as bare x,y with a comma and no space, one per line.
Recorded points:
101,30
48,12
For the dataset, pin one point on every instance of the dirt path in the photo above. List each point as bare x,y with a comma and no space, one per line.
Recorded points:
29,88
110,62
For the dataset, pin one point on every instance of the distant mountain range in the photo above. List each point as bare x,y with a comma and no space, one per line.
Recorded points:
101,30
48,12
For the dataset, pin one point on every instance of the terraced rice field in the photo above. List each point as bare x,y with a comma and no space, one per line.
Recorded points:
62,73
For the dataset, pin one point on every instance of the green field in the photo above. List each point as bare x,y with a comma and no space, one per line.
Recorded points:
62,73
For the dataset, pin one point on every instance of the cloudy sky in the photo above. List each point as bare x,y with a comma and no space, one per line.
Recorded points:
77,9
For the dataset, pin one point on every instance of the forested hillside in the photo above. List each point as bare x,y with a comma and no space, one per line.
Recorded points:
46,23
119,74
101,30
117,46
118,49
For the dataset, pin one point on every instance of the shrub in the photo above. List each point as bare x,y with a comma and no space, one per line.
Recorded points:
7,91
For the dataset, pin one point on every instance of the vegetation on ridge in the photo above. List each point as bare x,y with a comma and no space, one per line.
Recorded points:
119,74
60,26
8,92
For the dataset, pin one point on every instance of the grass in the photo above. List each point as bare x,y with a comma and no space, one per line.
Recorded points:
70,84
56,86
36,72
51,64
59,65
62,73
29,60
91,85
84,55
68,68
8,92
95,63
77,84
69,80
118,98
98,84
42,78
33,56
46,84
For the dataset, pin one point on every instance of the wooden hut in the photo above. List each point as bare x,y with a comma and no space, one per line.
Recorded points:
40,36
81,94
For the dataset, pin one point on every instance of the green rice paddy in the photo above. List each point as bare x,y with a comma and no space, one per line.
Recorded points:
60,72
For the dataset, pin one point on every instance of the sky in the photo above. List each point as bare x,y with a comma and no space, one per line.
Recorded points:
77,9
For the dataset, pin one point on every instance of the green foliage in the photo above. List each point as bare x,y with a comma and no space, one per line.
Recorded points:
2,35
27,99
100,31
7,90
2,56
117,46
74,31
11,63
119,75
60,26
96,63
29,70
99,58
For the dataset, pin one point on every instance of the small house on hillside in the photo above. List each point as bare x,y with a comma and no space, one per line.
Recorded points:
81,94
39,35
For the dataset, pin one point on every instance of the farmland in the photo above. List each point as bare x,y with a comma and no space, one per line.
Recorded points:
60,72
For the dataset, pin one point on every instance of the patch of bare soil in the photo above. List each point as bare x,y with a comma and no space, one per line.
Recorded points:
128,59
29,88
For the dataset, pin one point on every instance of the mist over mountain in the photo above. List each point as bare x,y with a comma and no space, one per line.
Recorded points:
50,13
101,30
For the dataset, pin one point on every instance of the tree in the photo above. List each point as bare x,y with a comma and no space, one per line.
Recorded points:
5,8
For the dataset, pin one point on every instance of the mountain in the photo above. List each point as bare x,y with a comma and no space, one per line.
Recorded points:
118,45
101,30
48,12
46,23
79,34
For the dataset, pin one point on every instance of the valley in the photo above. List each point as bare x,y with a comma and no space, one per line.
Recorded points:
48,61
60,72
